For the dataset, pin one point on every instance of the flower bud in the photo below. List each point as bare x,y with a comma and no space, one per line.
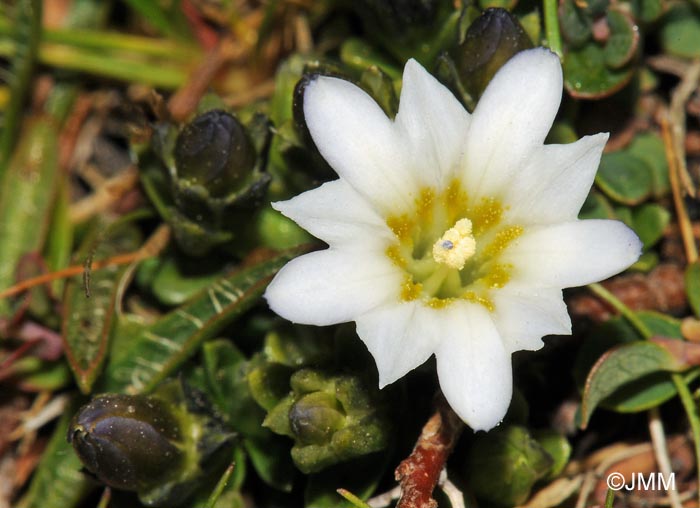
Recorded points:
161,446
207,179
332,419
315,417
215,152
128,442
491,40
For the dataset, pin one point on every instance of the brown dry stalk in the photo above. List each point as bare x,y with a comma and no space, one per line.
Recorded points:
109,193
185,100
155,244
684,223
419,473
677,119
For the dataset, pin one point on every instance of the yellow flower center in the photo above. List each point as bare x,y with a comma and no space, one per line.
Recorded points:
449,247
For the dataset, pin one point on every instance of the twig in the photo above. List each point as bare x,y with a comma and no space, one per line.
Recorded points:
105,196
419,473
586,489
691,411
34,419
384,499
302,34
454,495
676,116
185,100
551,27
668,64
684,223
658,441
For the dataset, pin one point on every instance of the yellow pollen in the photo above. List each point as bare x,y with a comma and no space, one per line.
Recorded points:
456,245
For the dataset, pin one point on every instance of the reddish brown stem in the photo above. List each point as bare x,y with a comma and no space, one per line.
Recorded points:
419,473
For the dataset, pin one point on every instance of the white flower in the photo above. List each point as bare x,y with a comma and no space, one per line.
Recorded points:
450,234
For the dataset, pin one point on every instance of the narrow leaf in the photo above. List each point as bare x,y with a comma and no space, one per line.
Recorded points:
161,348
169,22
89,308
27,33
26,197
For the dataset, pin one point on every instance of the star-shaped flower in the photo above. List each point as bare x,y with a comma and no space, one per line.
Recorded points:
450,233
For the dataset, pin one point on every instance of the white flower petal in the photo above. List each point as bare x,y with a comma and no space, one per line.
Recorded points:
400,337
359,142
434,122
511,120
556,181
330,286
573,253
524,315
474,368
336,214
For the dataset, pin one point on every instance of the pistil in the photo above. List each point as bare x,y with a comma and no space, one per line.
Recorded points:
456,245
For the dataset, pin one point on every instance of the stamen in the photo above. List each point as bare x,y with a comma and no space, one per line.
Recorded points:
456,245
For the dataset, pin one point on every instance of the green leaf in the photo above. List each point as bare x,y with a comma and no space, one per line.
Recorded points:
26,35
680,33
381,88
646,262
558,447
596,206
27,193
278,232
532,24
360,55
178,278
87,319
692,286
650,148
621,46
624,178
167,21
649,222
647,11
226,370
575,24
271,460
60,241
586,75
643,394
503,465
614,332
269,382
620,366
155,353
562,133
502,4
